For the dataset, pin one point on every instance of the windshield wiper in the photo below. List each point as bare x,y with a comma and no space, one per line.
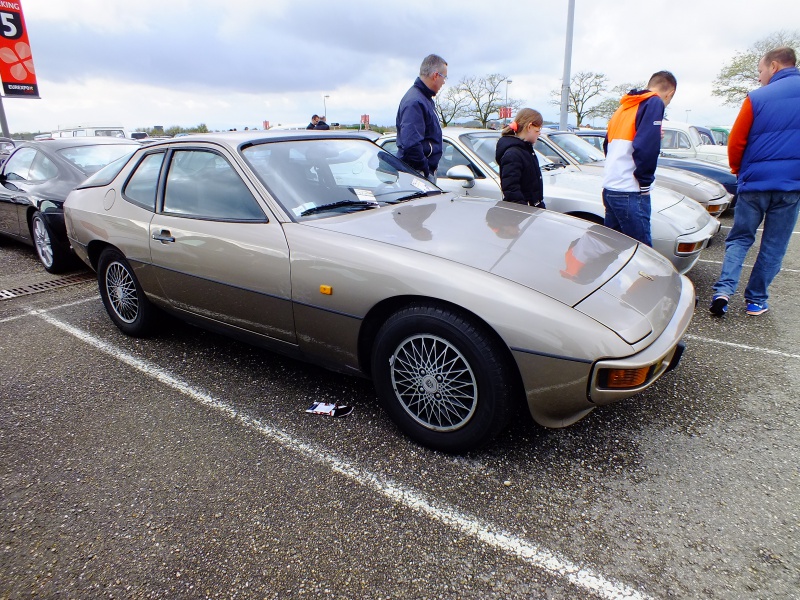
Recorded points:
415,195
363,204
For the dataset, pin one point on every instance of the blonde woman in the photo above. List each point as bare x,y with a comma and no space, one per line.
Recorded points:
520,177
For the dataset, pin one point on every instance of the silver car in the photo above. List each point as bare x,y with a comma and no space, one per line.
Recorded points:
325,247
568,148
681,228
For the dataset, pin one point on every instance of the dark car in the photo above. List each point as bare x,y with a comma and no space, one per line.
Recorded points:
36,179
715,171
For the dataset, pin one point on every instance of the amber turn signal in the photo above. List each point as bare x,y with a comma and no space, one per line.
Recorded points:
687,247
626,378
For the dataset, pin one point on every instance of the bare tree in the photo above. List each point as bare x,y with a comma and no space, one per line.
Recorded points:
584,88
485,95
740,75
452,104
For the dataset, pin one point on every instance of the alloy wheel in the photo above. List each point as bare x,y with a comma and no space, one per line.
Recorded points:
434,382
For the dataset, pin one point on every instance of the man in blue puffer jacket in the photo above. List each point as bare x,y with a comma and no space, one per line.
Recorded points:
764,153
419,134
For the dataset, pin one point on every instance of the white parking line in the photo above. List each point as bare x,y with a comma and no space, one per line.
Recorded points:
447,515
741,346
67,305
719,262
760,229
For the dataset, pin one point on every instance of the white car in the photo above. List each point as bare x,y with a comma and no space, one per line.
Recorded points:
566,147
683,139
681,228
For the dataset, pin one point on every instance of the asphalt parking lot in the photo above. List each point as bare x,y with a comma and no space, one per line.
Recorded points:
184,466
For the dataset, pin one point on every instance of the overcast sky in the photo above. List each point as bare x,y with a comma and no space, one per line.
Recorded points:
236,63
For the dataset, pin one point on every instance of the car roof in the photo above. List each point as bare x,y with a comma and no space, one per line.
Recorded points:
234,139
58,143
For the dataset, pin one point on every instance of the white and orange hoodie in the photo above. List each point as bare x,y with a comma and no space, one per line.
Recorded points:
633,143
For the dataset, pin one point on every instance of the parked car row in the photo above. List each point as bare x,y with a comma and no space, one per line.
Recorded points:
714,171
328,248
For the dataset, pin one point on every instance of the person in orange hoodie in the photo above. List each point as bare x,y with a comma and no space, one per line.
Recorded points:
632,146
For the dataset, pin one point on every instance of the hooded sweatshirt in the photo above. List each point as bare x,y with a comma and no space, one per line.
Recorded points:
633,142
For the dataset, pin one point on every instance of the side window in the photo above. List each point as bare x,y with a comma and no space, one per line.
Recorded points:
669,141
450,158
683,141
18,167
202,184
143,184
548,152
390,147
42,168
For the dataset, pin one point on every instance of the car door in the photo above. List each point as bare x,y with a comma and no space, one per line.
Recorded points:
216,252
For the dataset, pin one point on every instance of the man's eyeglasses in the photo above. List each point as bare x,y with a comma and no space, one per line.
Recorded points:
442,76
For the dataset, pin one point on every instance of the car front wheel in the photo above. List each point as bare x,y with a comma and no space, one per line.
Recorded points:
442,378
122,295
50,255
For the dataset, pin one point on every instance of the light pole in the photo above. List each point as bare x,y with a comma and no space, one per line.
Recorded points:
688,110
507,82
325,106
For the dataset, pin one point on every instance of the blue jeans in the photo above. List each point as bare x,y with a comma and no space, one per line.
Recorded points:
779,212
629,213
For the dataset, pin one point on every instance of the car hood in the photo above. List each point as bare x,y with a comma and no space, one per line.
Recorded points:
587,181
706,188
562,257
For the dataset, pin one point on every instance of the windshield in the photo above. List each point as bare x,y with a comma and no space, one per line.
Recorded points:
90,159
579,149
324,177
484,145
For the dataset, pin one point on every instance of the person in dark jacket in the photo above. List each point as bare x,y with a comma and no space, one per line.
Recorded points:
419,133
314,121
764,153
520,177
322,123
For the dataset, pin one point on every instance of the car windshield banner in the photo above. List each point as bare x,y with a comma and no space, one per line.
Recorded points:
16,61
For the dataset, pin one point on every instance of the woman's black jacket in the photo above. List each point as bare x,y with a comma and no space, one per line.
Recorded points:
520,177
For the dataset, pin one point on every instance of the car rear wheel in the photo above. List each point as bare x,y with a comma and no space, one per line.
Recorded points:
443,379
122,295
51,256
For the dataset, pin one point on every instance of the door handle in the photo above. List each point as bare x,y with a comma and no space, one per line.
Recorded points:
164,236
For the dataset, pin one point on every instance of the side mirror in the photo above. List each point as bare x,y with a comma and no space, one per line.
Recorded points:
462,173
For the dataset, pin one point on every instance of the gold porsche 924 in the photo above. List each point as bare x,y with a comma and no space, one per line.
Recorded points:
323,246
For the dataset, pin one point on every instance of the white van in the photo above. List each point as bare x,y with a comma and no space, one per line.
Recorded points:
81,131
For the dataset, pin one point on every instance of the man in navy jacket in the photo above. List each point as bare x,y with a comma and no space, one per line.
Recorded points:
764,153
419,133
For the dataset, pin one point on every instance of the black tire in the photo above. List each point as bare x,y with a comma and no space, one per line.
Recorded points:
51,255
442,379
122,295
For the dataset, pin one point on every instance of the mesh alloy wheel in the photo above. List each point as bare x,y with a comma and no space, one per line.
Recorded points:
122,293
44,246
434,382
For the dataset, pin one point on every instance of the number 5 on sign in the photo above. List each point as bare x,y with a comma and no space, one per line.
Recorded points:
16,61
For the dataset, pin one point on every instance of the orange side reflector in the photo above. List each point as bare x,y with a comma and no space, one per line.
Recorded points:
627,378
326,289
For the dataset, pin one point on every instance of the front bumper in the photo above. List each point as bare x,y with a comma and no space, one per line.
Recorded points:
659,357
